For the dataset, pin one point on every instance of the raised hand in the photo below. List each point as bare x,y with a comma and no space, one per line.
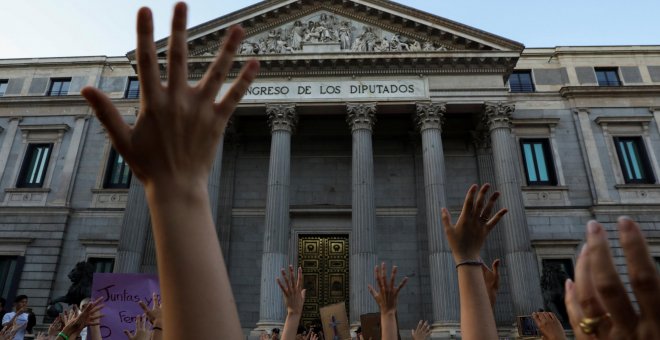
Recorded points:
178,126
154,314
549,326
422,332
468,235
292,289
141,331
55,327
597,303
388,292
75,320
492,280
41,336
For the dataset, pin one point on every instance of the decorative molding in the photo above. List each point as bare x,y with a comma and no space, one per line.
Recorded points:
430,115
481,139
545,196
610,91
498,115
361,115
110,198
281,117
552,122
14,246
624,120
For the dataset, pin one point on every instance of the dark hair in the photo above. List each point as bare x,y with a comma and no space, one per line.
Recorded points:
358,330
3,302
19,298
276,330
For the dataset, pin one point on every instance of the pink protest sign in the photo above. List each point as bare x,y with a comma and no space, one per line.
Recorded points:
121,294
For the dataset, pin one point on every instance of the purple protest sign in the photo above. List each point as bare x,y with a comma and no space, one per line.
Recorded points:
121,294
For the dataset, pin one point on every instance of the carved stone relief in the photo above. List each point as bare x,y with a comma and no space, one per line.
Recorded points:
327,32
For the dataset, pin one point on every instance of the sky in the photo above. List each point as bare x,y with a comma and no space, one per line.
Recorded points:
49,28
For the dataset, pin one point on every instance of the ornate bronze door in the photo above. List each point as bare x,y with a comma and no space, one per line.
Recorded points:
324,261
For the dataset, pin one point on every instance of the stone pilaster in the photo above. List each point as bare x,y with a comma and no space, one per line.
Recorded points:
444,282
282,120
361,119
134,228
71,160
597,175
521,266
8,142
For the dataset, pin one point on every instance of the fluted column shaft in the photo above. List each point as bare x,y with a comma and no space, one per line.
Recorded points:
134,228
361,118
520,261
282,119
444,282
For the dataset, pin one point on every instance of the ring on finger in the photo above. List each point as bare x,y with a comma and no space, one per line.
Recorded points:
590,325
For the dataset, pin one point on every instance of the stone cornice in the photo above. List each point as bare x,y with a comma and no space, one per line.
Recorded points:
624,120
42,100
342,64
610,91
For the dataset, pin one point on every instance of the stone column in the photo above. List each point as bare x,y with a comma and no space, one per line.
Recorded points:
134,228
361,118
444,282
519,258
282,119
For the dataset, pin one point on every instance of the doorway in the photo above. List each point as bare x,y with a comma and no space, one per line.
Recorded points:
324,262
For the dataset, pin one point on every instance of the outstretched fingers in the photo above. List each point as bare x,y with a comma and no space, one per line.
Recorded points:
148,72
108,115
495,219
217,72
228,103
481,199
468,204
177,54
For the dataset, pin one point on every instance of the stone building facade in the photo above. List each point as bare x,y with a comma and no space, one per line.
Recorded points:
368,117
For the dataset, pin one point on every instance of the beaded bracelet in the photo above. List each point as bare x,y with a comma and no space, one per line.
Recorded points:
61,334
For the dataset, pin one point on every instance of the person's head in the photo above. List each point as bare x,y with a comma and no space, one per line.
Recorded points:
275,333
20,302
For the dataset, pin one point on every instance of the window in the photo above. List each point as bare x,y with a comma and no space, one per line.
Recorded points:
10,272
633,160
521,81
657,263
35,165
553,276
133,88
59,87
117,174
102,264
537,159
3,86
608,76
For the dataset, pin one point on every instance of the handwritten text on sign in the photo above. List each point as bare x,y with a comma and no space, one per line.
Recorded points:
121,294
337,90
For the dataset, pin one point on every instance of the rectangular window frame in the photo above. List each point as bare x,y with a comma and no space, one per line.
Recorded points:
643,165
110,174
42,162
548,159
132,93
519,87
611,76
10,275
59,87
4,85
104,263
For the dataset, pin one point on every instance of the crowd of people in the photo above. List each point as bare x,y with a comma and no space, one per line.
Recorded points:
171,148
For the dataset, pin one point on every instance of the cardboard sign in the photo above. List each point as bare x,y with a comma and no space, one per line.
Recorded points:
335,322
121,294
370,326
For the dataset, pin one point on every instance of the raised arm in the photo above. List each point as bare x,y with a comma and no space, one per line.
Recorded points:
170,149
466,238
387,297
294,298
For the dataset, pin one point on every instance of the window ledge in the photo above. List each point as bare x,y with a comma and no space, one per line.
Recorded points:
638,193
544,188
545,196
30,190
113,198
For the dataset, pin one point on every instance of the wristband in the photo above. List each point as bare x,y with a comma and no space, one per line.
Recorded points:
469,263
61,334
157,328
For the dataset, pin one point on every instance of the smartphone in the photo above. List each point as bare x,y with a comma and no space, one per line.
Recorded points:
527,326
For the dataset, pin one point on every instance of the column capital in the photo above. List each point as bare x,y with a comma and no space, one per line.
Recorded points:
361,115
281,117
430,115
498,115
481,139
578,110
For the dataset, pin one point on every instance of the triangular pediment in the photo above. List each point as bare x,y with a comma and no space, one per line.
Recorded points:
277,27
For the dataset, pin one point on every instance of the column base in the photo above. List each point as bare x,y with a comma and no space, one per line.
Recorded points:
446,330
265,326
